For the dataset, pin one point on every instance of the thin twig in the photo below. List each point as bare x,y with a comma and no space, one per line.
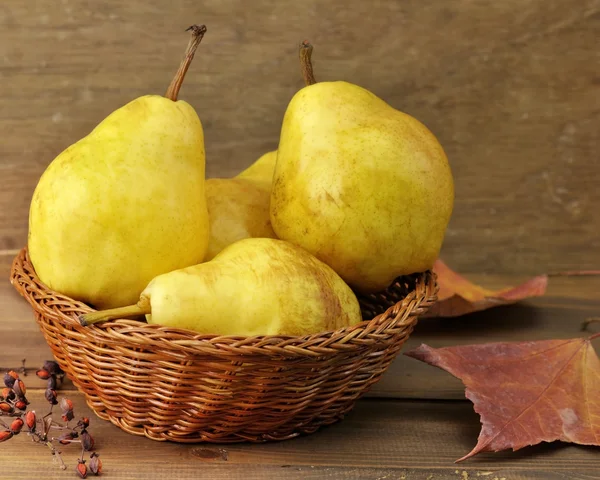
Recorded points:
23,370
57,456
574,273
37,438
53,439
11,414
58,426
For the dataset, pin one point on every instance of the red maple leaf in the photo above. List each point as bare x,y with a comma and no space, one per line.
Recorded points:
527,392
458,296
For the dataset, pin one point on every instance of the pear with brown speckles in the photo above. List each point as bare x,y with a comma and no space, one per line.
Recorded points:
126,202
255,286
238,207
365,188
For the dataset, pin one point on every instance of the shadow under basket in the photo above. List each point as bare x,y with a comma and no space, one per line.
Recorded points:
173,384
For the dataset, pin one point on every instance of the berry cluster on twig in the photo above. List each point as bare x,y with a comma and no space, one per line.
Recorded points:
14,403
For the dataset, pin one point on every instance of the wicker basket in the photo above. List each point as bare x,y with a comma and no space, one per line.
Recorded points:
172,384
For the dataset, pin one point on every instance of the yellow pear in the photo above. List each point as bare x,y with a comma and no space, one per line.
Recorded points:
365,188
126,202
261,171
238,207
256,286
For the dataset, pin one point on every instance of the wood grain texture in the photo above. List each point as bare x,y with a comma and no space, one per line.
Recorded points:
510,88
400,439
21,338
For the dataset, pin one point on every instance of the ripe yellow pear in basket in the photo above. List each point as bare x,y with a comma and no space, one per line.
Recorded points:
365,188
261,171
125,203
256,286
238,207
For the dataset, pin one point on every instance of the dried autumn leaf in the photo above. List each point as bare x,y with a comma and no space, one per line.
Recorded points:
527,392
458,296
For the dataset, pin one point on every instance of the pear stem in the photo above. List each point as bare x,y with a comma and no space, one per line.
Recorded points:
306,68
141,308
198,32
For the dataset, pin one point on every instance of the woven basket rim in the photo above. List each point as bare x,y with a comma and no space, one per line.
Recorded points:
66,309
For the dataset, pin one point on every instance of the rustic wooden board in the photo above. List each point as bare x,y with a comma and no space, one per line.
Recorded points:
510,88
559,314
380,439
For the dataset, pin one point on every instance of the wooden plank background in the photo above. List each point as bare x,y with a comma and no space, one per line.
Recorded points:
511,89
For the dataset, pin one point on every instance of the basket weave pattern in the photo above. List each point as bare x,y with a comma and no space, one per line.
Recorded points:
172,384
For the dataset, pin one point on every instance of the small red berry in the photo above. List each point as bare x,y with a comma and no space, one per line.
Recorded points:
8,393
51,396
87,441
51,382
66,438
81,469
30,420
84,422
5,435
21,404
95,464
66,404
67,417
16,425
6,407
10,377
19,388
43,374
52,367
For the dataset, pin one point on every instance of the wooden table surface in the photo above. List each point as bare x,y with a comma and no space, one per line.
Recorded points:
413,425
